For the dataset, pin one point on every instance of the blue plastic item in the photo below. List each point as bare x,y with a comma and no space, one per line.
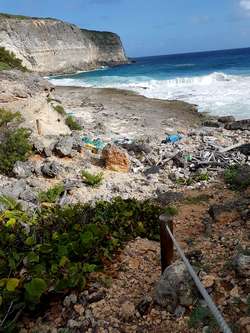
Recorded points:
173,138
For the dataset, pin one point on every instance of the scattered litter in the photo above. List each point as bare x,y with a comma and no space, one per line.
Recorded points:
172,138
96,144
122,141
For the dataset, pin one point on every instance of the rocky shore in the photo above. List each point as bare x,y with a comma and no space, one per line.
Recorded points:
126,145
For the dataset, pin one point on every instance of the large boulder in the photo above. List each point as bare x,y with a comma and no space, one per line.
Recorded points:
239,124
23,169
51,169
64,146
226,119
175,287
242,265
115,159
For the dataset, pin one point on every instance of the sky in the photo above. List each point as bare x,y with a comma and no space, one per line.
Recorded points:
152,27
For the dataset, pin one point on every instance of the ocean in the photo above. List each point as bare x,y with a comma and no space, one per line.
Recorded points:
218,82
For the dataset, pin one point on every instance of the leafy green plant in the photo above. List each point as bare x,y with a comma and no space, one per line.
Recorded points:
73,124
59,109
54,250
91,179
52,195
14,147
8,60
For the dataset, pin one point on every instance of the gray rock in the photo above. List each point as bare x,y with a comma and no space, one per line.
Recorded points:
226,119
166,197
23,169
242,265
70,184
29,196
137,147
211,123
175,287
239,124
51,169
74,323
45,150
77,142
14,189
68,300
64,146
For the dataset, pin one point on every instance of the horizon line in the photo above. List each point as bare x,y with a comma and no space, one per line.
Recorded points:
192,52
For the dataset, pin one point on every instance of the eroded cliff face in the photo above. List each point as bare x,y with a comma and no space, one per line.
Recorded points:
53,46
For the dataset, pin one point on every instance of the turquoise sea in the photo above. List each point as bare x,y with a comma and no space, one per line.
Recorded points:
217,81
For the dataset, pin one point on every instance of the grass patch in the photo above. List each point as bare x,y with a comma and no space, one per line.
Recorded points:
171,211
73,124
92,180
7,117
59,109
8,60
58,247
237,177
193,179
197,199
201,316
52,195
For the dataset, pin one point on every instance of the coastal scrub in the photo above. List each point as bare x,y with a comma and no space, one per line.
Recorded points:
53,250
8,60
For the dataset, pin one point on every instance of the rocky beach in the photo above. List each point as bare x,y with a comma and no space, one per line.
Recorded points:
129,144
75,159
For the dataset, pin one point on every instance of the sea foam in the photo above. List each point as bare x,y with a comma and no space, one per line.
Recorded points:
217,93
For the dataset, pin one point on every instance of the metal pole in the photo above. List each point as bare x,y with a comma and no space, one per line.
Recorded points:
214,310
167,246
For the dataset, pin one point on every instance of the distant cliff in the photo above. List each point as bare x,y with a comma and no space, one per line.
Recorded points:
53,46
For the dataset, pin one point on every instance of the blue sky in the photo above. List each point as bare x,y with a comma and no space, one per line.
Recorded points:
152,27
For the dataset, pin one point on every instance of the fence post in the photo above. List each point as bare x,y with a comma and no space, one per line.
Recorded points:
167,246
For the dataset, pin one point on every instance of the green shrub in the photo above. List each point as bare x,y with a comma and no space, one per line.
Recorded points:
237,177
73,124
52,195
171,210
7,117
59,109
8,60
53,251
91,179
14,147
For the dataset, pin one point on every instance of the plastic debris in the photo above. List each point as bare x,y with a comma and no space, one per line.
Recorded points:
172,138
122,141
96,144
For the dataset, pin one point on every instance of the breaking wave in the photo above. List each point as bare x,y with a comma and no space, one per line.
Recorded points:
217,93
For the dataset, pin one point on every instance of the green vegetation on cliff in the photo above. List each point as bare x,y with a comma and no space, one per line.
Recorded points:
14,141
8,60
53,250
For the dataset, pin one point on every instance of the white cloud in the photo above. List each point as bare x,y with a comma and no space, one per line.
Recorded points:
245,4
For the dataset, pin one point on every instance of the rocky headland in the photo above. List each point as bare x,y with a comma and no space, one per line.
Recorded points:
52,46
